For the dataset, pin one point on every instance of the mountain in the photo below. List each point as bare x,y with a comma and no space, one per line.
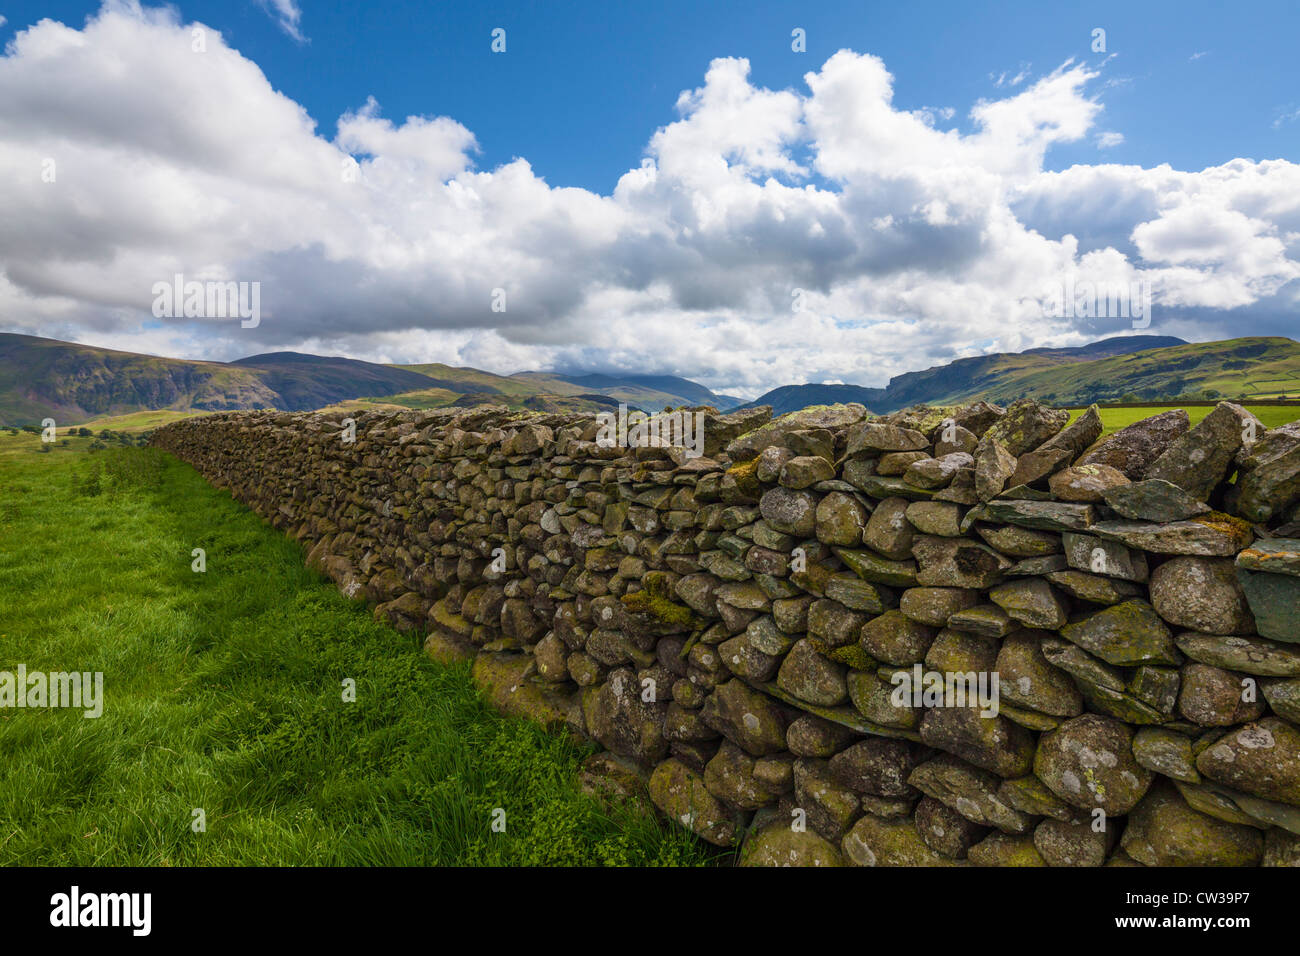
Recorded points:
791,398
71,383
309,381
1001,376
76,384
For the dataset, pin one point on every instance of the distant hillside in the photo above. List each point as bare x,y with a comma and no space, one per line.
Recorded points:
791,398
69,382
1000,375
74,383
309,381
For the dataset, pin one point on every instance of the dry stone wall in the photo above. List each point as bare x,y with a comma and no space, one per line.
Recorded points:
947,636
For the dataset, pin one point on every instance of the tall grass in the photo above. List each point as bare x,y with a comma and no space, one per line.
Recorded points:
224,692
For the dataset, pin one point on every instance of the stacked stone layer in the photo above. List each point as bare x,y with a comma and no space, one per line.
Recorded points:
732,628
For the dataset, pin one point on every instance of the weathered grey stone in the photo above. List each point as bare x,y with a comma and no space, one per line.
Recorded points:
1261,758
895,638
1164,831
1032,602
746,717
1208,535
1153,500
1198,460
1133,449
1088,762
1125,634
888,531
778,845
1086,482
811,677
1245,653
682,796
946,831
1201,594
1028,679
1213,697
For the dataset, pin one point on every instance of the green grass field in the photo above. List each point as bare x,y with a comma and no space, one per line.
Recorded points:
223,691
1113,419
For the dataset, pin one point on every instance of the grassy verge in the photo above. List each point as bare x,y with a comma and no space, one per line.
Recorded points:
224,692
1113,419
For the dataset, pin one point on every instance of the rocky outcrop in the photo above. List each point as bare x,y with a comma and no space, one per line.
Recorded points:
961,637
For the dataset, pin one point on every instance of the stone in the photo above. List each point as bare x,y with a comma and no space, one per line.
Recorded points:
888,532
1067,843
1211,534
1099,556
1198,460
1028,679
746,717
974,793
987,620
1079,435
1125,634
1086,482
1245,653
896,463
1132,450
1088,762
873,699
896,639
877,766
1164,831
944,830
1201,594
1274,601
805,471
877,436
840,519
1033,467
937,472
1268,482
742,658
1166,752
682,796
1213,697
1153,500
789,511
956,563
941,518
1043,515
747,446
778,845
1261,758
830,806
811,677
1092,587
878,842
992,743
1004,849
810,736
1020,542
994,464
934,606
1026,425
1032,602
618,717
730,777
877,570
1273,555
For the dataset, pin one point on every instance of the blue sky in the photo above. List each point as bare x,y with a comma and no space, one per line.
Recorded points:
582,84
955,159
